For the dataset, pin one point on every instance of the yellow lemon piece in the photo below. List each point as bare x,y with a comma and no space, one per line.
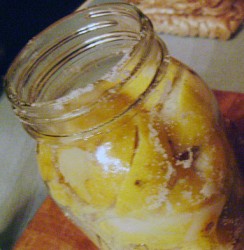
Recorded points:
142,77
146,185
45,159
155,233
189,230
95,170
189,111
61,193
75,166
113,157
98,113
157,95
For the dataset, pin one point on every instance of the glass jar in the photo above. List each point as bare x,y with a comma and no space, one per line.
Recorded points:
129,140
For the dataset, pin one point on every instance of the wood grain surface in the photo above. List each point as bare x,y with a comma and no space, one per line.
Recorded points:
50,229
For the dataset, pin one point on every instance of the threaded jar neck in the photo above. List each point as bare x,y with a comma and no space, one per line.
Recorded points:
85,58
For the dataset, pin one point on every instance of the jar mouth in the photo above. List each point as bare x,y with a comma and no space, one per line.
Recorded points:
98,47
37,65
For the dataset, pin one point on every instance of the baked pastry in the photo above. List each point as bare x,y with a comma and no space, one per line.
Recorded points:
205,18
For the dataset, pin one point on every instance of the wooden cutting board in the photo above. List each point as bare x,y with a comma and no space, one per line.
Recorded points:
50,229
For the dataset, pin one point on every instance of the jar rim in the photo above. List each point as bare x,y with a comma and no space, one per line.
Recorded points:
28,78
21,56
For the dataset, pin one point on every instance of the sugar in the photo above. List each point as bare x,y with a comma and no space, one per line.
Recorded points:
109,163
156,201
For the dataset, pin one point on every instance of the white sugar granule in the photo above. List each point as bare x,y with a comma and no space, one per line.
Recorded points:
156,201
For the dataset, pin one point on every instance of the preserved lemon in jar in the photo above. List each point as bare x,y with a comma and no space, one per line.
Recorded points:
130,141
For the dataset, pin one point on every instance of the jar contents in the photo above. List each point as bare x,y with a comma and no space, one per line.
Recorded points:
157,179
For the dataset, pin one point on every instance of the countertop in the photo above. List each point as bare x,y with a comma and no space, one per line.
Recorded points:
219,63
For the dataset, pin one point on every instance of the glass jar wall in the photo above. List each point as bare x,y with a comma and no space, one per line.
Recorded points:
129,140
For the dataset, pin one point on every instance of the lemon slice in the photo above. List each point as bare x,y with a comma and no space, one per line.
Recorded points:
145,187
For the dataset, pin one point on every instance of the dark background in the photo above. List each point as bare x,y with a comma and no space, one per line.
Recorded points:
21,20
